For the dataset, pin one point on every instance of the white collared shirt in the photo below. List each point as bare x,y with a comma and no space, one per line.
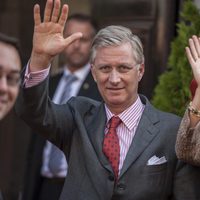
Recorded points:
126,130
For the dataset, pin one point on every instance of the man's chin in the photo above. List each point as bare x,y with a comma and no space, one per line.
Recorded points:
2,114
115,102
76,66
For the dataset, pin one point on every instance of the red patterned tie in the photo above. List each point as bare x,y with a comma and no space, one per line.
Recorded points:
111,146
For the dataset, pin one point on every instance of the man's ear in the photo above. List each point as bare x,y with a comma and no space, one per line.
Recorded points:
141,71
93,72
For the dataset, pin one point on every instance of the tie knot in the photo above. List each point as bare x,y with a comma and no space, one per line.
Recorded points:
70,78
114,122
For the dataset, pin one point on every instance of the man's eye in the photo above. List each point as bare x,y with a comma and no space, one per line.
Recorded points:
105,69
124,68
84,40
13,80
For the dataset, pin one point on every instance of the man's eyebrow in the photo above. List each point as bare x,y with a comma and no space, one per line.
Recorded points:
13,71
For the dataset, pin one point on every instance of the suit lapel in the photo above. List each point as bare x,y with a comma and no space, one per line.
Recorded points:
53,83
89,88
95,129
145,133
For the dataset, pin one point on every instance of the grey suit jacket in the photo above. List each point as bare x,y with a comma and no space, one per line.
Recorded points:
78,129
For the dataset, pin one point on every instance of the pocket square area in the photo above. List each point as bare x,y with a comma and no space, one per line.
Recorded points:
156,160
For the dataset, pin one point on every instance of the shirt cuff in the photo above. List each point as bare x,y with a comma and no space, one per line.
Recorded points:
34,78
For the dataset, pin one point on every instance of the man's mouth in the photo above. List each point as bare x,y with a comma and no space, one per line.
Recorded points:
114,88
2,100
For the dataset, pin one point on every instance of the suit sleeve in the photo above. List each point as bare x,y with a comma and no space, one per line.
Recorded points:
40,113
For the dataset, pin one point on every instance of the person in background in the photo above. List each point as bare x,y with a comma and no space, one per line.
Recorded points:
188,138
10,67
122,148
41,181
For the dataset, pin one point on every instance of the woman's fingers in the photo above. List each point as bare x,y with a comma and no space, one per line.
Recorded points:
197,45
193,49
189,56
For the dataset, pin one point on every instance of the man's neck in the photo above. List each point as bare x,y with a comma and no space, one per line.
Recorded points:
73,69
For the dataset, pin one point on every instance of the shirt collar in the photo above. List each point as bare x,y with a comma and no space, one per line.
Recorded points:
130,116
80,73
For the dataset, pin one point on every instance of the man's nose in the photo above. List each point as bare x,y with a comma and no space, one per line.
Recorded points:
76,43
3,83
114,77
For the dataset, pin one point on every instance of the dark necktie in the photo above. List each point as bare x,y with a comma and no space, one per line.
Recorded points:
56,155
111,146
69,79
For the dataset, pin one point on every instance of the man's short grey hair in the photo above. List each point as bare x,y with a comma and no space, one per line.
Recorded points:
116,36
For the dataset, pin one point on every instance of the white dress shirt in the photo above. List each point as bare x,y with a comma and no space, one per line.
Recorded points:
126,130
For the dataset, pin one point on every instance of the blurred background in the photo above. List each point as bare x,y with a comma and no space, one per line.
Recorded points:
153,20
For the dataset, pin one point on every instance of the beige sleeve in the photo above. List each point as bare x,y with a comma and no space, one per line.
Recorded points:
188,142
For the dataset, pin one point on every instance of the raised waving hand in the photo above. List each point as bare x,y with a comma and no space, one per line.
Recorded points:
193,55
48,40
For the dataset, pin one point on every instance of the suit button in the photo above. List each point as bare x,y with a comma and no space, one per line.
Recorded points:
121,186
111,177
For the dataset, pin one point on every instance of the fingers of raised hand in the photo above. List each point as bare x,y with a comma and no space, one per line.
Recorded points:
189,56
72,38
56,11
52,12
194,47
47,10
37,17
63,16
197,44
193,63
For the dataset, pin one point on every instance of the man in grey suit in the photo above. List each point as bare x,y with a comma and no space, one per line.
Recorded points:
140,163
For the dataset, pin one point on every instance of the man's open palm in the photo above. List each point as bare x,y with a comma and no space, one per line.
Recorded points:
48,39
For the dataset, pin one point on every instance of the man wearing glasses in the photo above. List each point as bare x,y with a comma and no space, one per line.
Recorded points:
10,66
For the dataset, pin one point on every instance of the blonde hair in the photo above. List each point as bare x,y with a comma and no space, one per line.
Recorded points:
115,36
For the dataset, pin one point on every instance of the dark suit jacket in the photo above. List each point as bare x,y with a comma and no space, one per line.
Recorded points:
14,138
37,142
78,129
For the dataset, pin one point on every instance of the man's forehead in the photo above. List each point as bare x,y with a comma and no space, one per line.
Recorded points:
123,49
9,57
73,26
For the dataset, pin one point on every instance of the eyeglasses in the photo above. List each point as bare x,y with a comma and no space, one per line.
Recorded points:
13,78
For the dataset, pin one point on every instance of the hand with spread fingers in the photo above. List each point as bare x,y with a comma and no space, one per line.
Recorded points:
48,39
193,55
